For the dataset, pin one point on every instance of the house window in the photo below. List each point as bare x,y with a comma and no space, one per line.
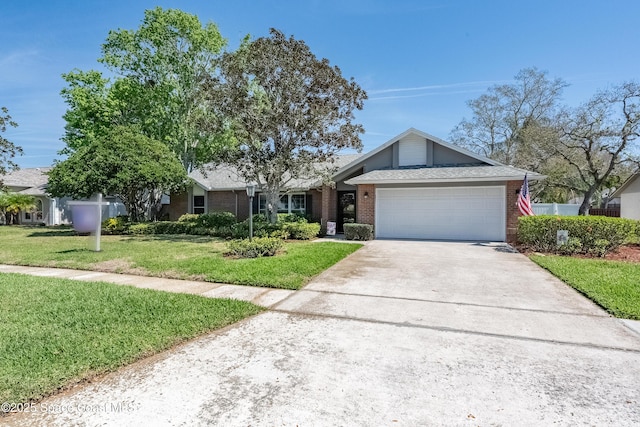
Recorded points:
289,203
198,204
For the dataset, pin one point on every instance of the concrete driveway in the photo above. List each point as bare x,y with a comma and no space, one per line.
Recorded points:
400,333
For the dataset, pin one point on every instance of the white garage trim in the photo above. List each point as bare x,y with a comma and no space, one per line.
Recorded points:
447,213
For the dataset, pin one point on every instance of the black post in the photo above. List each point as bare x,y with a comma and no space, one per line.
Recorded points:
250,218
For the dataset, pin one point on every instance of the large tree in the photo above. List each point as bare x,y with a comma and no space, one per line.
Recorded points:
288,111
599,138
158,71
123,163
500,116
8,149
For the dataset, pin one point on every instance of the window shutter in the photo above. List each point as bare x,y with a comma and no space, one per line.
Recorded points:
256,204
308,209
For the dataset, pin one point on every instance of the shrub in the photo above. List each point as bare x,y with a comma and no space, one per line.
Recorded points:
356,231
597,234
173,227
188,218
216,220
573,246
293,217
116,225
142,228
301,230
258,247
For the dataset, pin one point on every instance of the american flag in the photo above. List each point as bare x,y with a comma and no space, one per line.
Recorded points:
524,200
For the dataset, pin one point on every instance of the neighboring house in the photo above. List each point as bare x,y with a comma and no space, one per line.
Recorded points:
413,186
629,195
49,210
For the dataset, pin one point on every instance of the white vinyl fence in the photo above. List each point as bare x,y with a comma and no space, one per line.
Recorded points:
555,209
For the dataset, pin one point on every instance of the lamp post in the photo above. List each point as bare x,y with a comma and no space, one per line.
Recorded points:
251,192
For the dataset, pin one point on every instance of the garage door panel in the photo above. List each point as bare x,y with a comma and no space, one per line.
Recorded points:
453,213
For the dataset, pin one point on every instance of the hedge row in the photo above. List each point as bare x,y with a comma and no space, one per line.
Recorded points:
356,231
595,235
219,224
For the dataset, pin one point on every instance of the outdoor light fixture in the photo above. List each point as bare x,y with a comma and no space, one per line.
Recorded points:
251,192
366,194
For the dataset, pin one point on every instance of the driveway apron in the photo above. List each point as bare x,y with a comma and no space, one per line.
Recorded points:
399,333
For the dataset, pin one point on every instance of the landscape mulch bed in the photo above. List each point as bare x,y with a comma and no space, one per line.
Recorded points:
629,253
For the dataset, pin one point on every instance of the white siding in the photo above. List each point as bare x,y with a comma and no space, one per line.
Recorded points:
447,213
412,151
630,201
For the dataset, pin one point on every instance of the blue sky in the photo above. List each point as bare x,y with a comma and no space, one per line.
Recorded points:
419,61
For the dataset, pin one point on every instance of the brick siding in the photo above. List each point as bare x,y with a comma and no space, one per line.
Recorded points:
366,207
219,201
179,205
329,203
512,210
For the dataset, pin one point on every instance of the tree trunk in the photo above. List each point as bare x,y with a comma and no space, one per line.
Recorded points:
273,201
586,203
155,204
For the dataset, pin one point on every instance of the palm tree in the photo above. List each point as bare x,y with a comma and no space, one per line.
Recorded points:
13,203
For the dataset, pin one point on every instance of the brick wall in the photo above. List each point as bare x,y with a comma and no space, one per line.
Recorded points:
366,207
179,205
243,205
316,205
512,210
329,204
218,201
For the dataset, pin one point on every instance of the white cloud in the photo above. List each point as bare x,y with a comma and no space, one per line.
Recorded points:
419,91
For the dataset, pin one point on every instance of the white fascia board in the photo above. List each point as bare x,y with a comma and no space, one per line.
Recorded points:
440,180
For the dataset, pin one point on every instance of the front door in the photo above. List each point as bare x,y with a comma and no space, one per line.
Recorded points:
346,209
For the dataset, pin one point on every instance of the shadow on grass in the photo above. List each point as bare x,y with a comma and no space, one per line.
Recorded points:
71,251
190,238
54,233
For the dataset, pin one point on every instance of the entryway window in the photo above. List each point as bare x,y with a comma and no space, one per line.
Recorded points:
198,204
289,203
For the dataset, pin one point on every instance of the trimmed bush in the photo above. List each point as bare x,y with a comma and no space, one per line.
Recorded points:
216,220
142,228
358,231
172,227
188,218
293,217
301,230
258,247
595,235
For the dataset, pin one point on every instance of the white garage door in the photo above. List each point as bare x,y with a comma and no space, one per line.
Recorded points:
450,213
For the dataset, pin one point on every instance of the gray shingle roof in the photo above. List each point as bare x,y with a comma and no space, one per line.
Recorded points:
224,177
443,174
31,181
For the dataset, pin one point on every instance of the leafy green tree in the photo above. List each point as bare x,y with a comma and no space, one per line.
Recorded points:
13,203
122,163
288,110
500,116
159,69
599,138
8,149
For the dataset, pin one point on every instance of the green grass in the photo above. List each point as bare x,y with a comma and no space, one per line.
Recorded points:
176,256
55,332
613,285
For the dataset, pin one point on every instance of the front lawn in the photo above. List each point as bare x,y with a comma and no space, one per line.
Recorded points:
175,256
613,285
55,332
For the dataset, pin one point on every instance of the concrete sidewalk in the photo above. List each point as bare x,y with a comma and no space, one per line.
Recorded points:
265,297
